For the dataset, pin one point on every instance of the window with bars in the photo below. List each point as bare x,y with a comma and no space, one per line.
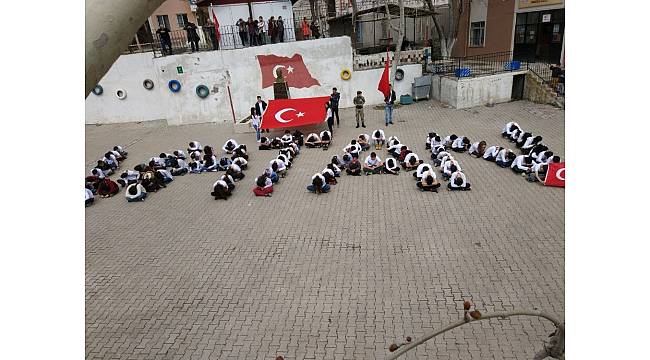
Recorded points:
163,21
477,34
182,20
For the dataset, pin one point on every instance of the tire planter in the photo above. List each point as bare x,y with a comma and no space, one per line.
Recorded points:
399,74
148,84
174,86
202,91
346,74
98,90
120,93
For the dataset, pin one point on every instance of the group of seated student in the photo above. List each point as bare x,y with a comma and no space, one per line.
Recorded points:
449,167
233,163
288,150
322,140
98,183
533,161
322,182
297,137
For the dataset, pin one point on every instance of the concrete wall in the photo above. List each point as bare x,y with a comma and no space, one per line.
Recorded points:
464,93
324,58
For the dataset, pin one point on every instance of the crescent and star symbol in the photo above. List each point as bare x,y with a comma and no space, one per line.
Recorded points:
276,67
558,172
278,115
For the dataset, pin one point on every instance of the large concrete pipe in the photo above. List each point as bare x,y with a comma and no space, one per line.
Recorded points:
110,28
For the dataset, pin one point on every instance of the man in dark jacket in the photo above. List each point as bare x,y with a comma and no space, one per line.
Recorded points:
192,35
334,102
260,107
390,102
165,39
280,28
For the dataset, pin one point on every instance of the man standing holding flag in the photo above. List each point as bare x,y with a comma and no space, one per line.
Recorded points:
387,89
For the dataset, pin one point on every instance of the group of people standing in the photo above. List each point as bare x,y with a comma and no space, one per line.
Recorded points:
309,30
260,32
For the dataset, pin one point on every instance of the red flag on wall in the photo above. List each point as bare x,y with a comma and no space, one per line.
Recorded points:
216,25
384,84
293,69
555,175
294,112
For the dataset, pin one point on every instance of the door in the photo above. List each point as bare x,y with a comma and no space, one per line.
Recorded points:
518,83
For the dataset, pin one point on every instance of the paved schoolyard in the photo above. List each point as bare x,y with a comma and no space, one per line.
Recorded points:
335,276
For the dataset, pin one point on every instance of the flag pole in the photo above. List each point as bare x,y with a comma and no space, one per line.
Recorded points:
232,109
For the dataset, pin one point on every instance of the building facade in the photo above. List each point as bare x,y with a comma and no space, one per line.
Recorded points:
532,29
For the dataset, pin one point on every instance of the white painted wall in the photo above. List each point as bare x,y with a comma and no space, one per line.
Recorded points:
273,8
476,91
325,58
229,14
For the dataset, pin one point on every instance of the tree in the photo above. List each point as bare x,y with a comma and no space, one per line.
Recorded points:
355,9
400,38
449,33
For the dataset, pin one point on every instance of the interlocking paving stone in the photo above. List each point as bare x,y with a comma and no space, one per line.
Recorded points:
182,276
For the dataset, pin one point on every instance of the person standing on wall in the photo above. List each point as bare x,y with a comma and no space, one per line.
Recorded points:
242,27
390,102
334,101
192,35
261,30
315,31
252,32
271,29
165,39
280,29
210,33
305,29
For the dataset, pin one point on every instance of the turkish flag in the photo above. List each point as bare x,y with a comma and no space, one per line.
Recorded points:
384,84
216,26
283,113
555,175
293,70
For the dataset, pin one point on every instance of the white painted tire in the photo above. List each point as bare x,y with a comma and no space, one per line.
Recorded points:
120,93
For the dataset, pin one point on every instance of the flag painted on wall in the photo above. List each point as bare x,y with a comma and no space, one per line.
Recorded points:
283,113
293,69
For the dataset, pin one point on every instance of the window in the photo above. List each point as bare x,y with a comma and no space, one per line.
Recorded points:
477,34
557,35
532,18
163,21
182,20
531,34
521,19
520,34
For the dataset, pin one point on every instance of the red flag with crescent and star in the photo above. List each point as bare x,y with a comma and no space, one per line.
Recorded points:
555,175
283,113
293,69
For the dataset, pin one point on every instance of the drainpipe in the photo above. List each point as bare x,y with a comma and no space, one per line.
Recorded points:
110,27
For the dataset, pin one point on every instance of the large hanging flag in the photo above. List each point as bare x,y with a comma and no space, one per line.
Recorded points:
384,84
294,112
555,175
293,69
216,25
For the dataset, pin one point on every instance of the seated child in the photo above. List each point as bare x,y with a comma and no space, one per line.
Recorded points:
536,150
354,167
422,168
509,128
329,176
111,160
522,164
404,151
298,138
220,190
543,157
241,162
505,157
530,143
338,162
229,181
121,151
437,150
449,139
286,159
210,163
107,188
166,176
491,153
135,192
460,144
276,143
271,175
179,167
318,184
263,186
287,138
353,149
477,149
430,137
312,141
335,169
279,167
392,141
363,140
411,161
265,143
156,163
325,139
230,146
180,154
395,149
224,163
207,150
128,177
391,166
450,167
196,167
378,139
428,181
373,164
442,156
521,140
240,151
436,141
458,181
235,172
90,197
194,146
